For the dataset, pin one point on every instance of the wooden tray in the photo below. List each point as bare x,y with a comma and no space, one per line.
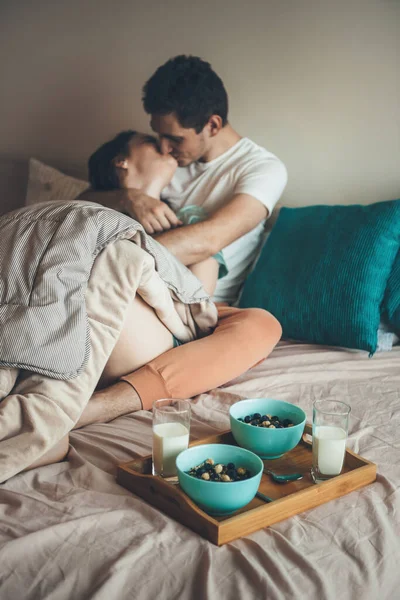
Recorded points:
291,498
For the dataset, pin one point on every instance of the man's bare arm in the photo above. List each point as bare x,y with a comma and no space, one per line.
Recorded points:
153,214
194,243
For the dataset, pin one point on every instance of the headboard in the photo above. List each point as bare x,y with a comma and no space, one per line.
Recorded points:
14,180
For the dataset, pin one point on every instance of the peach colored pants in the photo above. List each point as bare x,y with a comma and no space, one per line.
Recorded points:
241,339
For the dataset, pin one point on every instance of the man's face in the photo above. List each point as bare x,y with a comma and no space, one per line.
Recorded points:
185,145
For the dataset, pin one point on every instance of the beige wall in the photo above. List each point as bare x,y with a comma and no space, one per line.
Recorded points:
314,81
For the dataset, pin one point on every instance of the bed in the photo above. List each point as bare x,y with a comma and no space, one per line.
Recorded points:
70,531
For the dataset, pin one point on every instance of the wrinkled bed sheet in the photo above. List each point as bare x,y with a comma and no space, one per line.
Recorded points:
69,531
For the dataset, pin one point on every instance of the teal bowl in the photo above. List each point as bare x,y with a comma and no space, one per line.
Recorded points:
267,443
216,497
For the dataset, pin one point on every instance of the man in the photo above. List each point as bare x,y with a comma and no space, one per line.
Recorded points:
236,181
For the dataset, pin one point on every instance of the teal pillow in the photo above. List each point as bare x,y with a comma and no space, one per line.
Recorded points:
391,302
323,272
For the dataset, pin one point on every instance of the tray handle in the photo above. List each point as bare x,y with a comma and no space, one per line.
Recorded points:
155,486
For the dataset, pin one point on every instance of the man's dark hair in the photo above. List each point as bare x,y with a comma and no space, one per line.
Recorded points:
188,87
103,173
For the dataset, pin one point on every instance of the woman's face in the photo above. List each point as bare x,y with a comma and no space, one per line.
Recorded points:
147,161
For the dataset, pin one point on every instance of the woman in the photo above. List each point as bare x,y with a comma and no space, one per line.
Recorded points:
133,160
138,373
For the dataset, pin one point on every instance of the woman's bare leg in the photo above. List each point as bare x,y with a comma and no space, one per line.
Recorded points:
241,339
109,403
143,337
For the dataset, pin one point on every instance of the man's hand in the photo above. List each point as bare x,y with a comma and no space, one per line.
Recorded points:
153,214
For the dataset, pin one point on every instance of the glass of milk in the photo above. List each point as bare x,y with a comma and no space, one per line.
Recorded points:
330,426
171,428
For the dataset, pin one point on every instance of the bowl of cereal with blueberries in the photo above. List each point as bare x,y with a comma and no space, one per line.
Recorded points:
267,427
219,478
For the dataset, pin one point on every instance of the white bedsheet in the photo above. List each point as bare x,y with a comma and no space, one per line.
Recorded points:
69,531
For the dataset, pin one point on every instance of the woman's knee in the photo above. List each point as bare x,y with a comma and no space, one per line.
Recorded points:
263,326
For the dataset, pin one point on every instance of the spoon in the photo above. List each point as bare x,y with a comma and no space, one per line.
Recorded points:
283,478
264,497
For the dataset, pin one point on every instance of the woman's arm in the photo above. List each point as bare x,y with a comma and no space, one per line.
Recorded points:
207,272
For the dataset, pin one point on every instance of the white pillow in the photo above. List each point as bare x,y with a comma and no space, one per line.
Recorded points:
46,183
386,338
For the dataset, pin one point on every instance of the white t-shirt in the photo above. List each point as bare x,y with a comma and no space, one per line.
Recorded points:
246,168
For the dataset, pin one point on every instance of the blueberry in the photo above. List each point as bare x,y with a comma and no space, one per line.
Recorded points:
264,418
247,419
286,422
240,419
254,423
256,416
275,418
231,473
230,466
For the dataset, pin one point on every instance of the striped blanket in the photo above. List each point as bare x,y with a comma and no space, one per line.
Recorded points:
46,255
69,274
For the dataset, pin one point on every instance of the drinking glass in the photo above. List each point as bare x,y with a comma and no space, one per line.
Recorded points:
171,428
330,426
